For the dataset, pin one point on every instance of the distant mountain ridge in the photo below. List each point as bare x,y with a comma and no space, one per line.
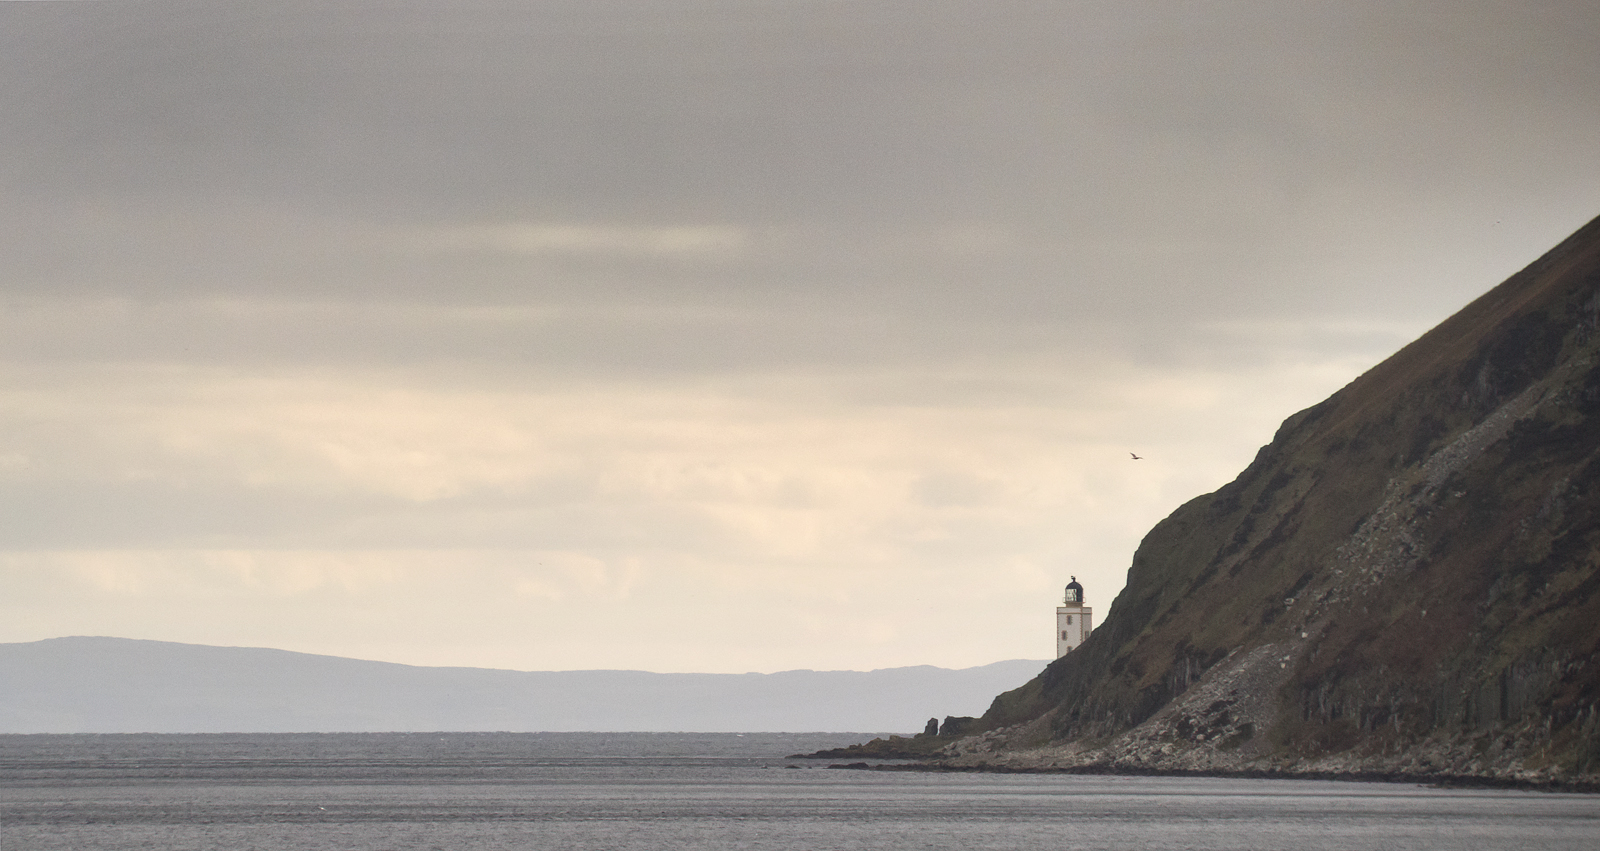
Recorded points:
1405,581
117,685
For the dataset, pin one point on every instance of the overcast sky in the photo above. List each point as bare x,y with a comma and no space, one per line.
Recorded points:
712,335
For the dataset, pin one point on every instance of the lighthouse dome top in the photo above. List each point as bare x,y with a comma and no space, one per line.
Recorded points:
1074,591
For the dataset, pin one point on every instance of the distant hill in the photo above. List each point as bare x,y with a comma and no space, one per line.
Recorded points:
116,685
1406,581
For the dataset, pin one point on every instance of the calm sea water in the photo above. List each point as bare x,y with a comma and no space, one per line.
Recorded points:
492,791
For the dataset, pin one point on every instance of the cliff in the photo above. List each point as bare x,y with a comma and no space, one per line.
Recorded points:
1403,582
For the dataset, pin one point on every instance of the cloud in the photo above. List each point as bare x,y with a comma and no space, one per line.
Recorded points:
752,506
715,335
540,239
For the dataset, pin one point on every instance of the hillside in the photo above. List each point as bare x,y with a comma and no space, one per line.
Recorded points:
1402,582
113,685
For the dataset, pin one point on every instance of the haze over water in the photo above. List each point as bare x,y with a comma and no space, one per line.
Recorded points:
492,791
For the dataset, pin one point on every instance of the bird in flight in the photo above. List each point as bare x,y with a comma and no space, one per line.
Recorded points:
1136,457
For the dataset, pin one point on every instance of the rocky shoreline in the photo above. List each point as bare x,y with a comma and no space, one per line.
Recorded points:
1458,781
1175,744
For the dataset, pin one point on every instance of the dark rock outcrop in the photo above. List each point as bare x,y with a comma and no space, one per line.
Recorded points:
1404,581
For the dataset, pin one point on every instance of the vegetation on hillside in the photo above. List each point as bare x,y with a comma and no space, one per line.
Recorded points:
1404,581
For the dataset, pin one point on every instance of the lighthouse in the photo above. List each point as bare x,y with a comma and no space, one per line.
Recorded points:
1072,620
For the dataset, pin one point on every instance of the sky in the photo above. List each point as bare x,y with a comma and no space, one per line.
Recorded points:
712,335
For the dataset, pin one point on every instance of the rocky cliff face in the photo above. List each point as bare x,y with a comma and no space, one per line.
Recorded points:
1404,581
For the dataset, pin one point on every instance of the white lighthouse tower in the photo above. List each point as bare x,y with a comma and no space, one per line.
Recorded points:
1072,620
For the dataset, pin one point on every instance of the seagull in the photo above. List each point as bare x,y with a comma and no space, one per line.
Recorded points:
1136,457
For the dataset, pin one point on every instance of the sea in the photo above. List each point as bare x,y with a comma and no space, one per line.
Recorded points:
665,791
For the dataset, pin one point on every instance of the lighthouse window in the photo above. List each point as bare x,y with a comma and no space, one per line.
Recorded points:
1069,620
1063,635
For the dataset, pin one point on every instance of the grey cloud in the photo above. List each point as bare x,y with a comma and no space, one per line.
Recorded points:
928,357
1182,162
131,514
615,107
776,307
87,514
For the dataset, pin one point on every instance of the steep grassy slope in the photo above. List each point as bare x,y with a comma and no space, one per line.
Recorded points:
1404,580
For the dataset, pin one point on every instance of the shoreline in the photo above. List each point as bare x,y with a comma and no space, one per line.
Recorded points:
1443,781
